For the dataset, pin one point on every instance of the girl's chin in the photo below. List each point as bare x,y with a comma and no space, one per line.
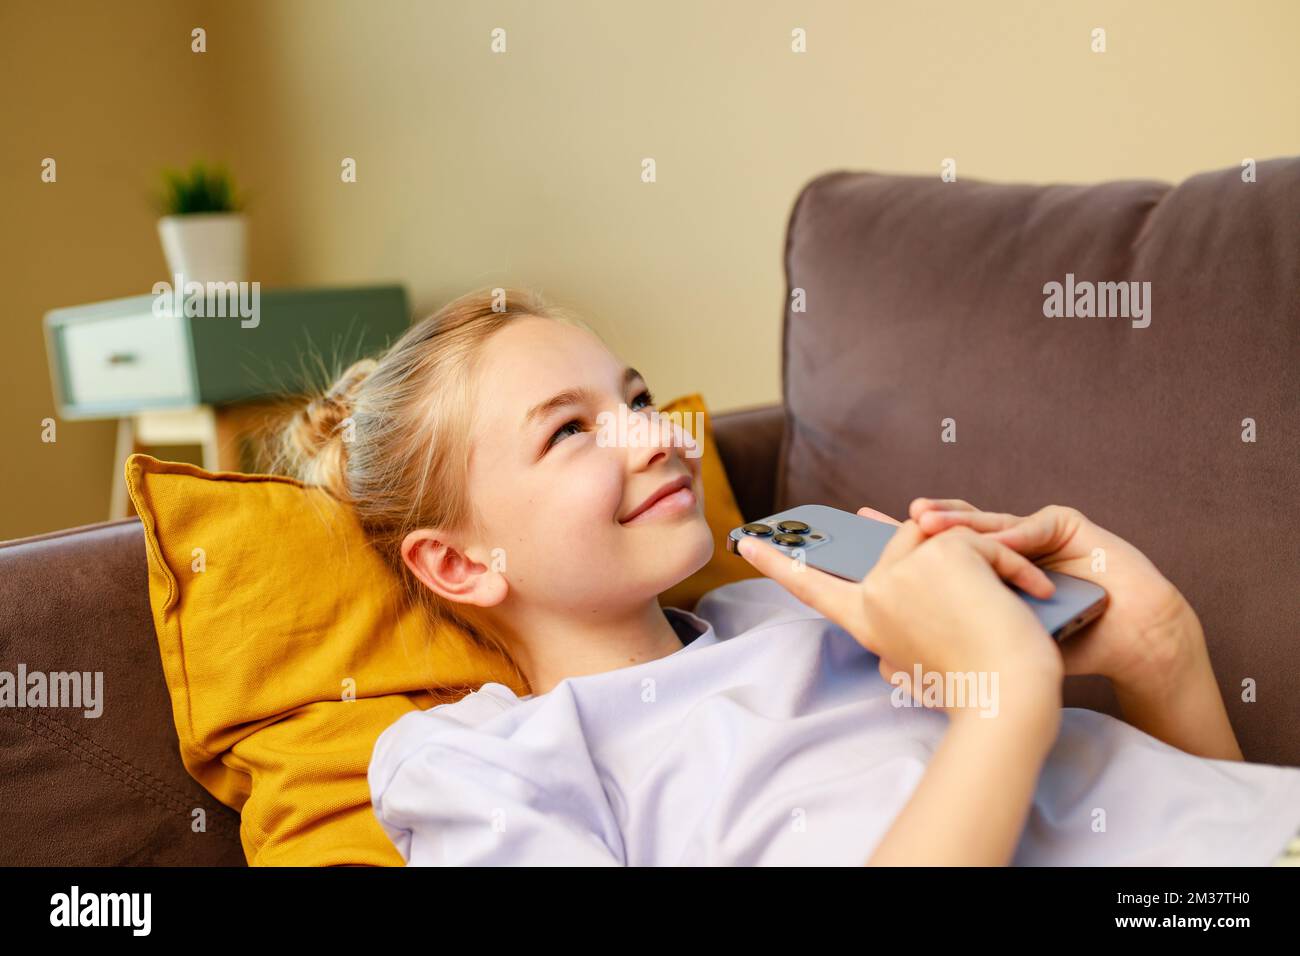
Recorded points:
692,550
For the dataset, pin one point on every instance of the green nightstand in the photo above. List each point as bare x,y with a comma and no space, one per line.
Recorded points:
173,378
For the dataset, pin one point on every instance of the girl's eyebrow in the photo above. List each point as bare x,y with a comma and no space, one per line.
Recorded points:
572,396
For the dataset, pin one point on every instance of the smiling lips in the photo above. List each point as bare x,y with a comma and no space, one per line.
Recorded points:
673,498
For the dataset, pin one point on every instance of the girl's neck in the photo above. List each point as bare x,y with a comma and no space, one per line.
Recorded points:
549,646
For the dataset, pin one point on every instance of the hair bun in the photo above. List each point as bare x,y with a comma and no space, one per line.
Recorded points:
321,418
313,444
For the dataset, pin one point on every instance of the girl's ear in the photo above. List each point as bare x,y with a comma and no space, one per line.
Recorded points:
449,572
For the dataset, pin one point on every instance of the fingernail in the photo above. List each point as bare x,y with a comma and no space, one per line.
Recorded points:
745,546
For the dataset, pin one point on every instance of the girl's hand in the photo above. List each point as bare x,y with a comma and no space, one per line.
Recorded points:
938,602
1148,627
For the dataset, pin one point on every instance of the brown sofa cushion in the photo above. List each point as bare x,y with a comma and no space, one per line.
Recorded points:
925,302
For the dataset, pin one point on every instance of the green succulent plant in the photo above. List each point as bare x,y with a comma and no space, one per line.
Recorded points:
202,188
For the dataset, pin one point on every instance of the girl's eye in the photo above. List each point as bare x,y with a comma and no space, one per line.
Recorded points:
563,431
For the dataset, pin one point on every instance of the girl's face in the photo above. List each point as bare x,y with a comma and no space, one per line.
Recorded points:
555,490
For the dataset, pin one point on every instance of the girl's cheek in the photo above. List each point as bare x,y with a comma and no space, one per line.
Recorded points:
594,494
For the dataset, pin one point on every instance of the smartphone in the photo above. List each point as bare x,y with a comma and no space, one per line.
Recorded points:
848,546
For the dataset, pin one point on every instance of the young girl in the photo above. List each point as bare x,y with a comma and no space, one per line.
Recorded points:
761,728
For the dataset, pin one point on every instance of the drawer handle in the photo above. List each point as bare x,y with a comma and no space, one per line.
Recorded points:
121,358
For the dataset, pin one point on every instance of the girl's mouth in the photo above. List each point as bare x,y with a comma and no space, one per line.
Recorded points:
678,502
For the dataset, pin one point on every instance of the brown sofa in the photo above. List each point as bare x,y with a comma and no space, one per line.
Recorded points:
912,301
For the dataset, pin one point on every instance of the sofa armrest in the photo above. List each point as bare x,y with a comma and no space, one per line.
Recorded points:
95,783
749,443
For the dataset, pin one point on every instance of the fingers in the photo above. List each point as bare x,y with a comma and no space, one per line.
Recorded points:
904,541
1007,563
877,515
833,597
887,670
1045,531
825,593
920,506
932,522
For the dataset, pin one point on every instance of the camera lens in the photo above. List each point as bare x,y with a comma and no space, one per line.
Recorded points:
793,527
756,529
789,540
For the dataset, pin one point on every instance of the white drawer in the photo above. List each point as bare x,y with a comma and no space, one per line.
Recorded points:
139,358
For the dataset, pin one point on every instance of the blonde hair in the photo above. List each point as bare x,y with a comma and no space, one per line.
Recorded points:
390,436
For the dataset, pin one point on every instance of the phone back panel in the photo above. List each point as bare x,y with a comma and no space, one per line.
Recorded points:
851,545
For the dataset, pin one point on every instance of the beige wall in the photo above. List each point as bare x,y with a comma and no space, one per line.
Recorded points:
524,168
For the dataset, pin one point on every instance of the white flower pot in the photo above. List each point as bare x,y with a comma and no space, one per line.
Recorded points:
206,246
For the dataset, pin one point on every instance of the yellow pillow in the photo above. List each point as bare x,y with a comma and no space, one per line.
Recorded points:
286,653
720,511
286,649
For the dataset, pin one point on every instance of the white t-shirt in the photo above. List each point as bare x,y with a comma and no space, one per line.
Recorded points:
771,738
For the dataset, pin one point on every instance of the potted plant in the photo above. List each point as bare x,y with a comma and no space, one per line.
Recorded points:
202,229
